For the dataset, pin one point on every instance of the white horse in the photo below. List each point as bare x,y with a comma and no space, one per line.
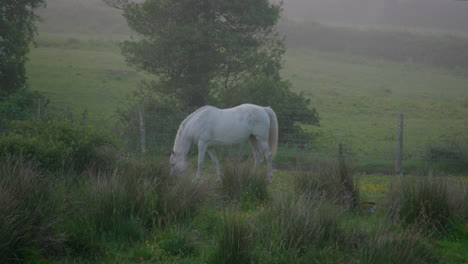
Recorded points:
209,126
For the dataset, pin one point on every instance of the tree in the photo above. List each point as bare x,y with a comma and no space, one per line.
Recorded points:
220,52
199,49
17,30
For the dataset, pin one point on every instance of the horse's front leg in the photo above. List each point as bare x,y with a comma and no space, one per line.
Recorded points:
215,160
201,158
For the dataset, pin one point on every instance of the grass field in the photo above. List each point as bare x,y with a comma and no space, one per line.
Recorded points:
131,211
81,74
358,99
78,64
137,214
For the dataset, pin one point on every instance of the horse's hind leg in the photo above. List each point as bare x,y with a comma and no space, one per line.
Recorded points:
268,157
215,160
201,159
257,154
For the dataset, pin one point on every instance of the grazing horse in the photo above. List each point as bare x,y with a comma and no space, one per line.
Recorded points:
209,126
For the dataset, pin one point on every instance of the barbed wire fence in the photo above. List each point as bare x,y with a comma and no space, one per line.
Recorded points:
394,155
153,130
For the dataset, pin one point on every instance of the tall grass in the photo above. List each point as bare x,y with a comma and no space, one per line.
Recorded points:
137,213
27,211
329,181
300,224
385,245
432,203
125,204
234,239
239,182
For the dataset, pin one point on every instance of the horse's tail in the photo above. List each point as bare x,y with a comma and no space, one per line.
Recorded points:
273,135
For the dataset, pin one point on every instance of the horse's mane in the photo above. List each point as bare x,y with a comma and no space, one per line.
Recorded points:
184,123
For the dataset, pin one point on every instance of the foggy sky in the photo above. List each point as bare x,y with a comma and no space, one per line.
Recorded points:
432,15
449,15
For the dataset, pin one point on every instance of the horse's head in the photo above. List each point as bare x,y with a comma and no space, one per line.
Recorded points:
178,163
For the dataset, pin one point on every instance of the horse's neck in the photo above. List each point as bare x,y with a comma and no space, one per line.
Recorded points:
182,143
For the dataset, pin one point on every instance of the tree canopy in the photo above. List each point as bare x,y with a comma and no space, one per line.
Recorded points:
17,30
218,52
202,49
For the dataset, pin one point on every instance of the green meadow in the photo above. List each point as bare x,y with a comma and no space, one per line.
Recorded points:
358,99
87,199
77,64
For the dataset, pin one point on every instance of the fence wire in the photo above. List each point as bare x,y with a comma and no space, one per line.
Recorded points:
313,142
367,150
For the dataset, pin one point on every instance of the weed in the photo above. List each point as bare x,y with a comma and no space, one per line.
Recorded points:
234,240
433,203
27,211
333,182
384,246
300,224
239,183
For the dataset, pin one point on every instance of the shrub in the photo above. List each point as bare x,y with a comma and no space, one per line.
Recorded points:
58,145
433,203
18,106
27,211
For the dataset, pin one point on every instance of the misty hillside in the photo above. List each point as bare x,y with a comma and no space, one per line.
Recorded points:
449,15
83,17
94,17
97,20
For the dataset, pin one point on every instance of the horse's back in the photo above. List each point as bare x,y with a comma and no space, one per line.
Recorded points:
229,126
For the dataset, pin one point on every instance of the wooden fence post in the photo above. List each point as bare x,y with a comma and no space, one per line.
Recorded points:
399,156
142,128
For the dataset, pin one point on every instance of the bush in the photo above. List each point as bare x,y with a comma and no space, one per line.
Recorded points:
432,203
56,145
27,211
18,106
